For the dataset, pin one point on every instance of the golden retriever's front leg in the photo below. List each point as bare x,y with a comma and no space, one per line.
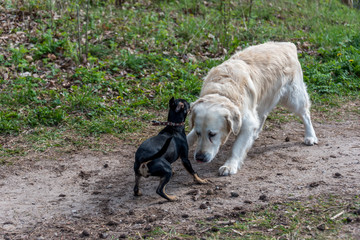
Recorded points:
242,144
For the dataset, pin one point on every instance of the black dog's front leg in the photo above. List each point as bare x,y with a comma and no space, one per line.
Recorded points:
185,161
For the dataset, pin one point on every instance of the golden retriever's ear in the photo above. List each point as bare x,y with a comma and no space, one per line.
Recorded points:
192,115
191,119
234,121
193,112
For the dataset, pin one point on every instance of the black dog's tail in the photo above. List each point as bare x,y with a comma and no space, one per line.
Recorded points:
142,168
161,152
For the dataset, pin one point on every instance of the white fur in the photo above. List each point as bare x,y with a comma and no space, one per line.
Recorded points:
237,96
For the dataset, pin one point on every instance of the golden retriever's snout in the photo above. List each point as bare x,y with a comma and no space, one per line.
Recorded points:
201,157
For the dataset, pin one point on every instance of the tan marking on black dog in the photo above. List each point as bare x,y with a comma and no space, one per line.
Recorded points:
179,107
161,191
199,180
144,170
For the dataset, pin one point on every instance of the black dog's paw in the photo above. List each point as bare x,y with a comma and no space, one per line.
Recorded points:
172,198
138,193
199,180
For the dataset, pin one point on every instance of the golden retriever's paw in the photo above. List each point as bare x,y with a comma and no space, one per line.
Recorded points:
309,141
227,170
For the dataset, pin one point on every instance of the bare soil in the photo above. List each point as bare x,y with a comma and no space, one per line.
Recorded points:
89,194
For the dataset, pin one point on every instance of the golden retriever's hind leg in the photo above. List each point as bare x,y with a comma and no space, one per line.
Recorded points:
299,103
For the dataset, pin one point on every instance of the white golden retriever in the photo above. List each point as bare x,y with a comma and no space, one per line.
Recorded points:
237,96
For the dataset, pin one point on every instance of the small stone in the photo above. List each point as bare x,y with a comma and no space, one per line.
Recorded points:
210,192
263,198
321,227
357,212
234,194
85,233
314,184
337,175
203,206
112,223
123,235
103,235
210,218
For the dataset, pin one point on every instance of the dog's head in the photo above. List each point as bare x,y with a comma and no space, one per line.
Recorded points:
178,110
213,120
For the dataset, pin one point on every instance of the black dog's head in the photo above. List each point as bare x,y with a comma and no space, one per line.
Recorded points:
178,110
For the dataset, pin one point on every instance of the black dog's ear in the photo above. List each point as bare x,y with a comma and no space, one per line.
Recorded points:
171,102
187,107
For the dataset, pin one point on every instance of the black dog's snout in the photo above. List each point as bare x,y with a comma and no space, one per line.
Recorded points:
200,157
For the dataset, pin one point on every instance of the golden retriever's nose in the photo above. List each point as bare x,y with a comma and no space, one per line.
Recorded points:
200,157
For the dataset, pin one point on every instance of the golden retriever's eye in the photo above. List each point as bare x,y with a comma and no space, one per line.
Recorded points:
211,134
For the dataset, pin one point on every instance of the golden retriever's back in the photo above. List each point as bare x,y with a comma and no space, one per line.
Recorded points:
256,71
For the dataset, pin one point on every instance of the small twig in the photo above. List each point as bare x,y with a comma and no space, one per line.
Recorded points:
78,26
86,30
237,232
205,230
337,215
251,4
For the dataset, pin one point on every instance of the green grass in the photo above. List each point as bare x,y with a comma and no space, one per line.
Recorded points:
142,54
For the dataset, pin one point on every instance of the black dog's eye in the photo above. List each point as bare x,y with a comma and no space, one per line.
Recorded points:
211,134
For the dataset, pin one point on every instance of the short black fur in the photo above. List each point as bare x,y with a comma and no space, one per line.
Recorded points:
155,156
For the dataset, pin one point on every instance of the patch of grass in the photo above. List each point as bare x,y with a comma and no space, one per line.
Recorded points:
142,54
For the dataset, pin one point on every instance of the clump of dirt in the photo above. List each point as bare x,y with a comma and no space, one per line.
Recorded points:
90,194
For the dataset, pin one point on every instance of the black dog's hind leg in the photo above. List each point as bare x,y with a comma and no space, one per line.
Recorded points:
161,168
137,179
141,169
137,182
161,188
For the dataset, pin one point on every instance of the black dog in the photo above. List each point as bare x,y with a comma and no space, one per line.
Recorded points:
155,156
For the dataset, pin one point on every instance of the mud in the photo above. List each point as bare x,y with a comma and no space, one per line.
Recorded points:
90,194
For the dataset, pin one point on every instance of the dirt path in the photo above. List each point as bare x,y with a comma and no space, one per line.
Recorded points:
89,194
